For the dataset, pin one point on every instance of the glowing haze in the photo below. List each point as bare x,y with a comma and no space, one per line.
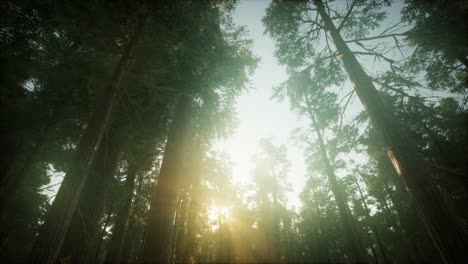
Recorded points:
258,116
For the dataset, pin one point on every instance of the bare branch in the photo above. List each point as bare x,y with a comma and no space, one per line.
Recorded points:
378,37
346,17
350,95
374,54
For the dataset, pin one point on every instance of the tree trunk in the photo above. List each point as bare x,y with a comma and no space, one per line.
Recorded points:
115,246
157,244
402,226
276,228
353,240
97,250
48,244
83,232
17,173
189,250
181,242
323,251
447,234
371,224
176,231
128,244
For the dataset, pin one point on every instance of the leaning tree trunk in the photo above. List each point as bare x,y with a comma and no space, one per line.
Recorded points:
442,225
352,238
48,244
157,243
84,227
116,243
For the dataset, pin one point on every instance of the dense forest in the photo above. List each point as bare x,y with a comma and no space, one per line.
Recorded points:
111,112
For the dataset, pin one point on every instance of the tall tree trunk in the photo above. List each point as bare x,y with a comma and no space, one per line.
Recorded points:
352,238
276,228
181,242
116,243
83,232
445,230
371,223
223,247
177,229
193,209
157,243
286,248
128,244
97,250
17,173
323,251
48,244
402,226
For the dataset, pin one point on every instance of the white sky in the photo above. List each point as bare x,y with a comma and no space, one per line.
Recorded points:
259,117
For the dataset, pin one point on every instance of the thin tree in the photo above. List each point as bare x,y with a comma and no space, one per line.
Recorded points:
353,240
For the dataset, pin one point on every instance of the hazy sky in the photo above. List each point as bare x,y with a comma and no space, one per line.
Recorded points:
258,116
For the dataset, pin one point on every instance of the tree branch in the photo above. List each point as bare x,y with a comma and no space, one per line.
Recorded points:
346,17
350,95
378,55
378,37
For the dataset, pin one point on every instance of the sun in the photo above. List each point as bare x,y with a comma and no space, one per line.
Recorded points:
218,215
215,213
241,148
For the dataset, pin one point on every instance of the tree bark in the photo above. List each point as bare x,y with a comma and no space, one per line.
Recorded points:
193,209
17,173
446,232
323,251
276,227
97,250
182,226
128,244
49,242
371,223
402,227
84,227
178,220
119,232
157,244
